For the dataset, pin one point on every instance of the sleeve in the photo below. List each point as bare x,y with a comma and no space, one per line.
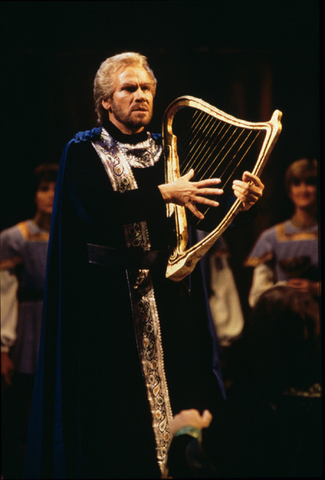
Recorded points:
187,459
9,308
261,258
92,195
10,257
263,279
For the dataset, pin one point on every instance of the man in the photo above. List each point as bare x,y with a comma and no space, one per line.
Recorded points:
123,347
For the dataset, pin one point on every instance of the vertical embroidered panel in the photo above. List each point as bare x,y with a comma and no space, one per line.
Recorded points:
118,160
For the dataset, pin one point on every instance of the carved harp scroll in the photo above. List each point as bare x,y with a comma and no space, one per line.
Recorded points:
216,145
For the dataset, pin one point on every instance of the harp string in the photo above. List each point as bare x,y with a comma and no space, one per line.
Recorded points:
192,127
204,126
221,151
237,164
241,159
213,145
196,149
208,148
188,135
200,130
227,156
197,152
203,129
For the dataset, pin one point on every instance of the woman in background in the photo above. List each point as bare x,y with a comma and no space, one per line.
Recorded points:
22,269
288,252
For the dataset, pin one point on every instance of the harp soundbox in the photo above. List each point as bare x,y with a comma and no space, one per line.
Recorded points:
216,145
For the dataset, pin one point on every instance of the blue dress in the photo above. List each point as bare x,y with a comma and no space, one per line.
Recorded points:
23,264
292,251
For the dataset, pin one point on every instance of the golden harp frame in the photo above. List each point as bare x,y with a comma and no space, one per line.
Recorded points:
182,262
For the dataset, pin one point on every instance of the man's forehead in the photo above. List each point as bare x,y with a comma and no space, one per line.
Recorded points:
133,75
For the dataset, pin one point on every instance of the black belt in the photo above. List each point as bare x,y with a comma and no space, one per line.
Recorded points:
130,259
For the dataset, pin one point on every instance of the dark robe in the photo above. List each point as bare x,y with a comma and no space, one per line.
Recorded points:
90,416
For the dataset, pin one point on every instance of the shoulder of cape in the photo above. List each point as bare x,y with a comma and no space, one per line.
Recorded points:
87,135
157,138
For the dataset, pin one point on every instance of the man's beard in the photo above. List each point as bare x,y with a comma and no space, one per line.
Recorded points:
128,120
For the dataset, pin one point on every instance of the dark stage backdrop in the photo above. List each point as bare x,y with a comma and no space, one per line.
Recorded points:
247,58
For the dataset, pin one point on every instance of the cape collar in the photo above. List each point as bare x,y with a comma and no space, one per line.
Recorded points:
122,137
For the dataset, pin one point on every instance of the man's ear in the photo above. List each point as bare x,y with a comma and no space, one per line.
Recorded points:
106,104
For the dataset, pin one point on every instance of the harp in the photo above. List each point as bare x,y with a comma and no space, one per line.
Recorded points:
200,136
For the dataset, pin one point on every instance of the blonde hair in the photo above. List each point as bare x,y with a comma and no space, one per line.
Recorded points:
104,78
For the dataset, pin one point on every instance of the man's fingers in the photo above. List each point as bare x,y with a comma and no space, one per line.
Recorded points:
249,177
206,201
201,183
247,198
245,190
206,417
209,191
194,210
203,201
208,182
188,175
244,186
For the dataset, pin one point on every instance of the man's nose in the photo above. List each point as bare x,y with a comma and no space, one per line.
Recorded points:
139,94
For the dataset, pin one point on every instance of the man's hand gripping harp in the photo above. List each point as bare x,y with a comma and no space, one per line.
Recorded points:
215,145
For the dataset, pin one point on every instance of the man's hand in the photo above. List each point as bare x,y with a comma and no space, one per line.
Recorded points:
190,418
185,193
7,368
249,190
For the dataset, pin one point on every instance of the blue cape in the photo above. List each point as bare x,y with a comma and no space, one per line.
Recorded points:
46,453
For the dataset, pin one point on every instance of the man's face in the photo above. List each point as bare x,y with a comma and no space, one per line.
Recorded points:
130,108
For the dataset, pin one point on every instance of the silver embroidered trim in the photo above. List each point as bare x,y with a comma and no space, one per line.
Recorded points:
152,359
122,179
118,159
142,155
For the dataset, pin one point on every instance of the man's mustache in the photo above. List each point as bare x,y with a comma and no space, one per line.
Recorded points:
142,105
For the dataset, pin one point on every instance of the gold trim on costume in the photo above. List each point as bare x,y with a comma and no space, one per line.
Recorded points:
284,236
32,237
253,262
